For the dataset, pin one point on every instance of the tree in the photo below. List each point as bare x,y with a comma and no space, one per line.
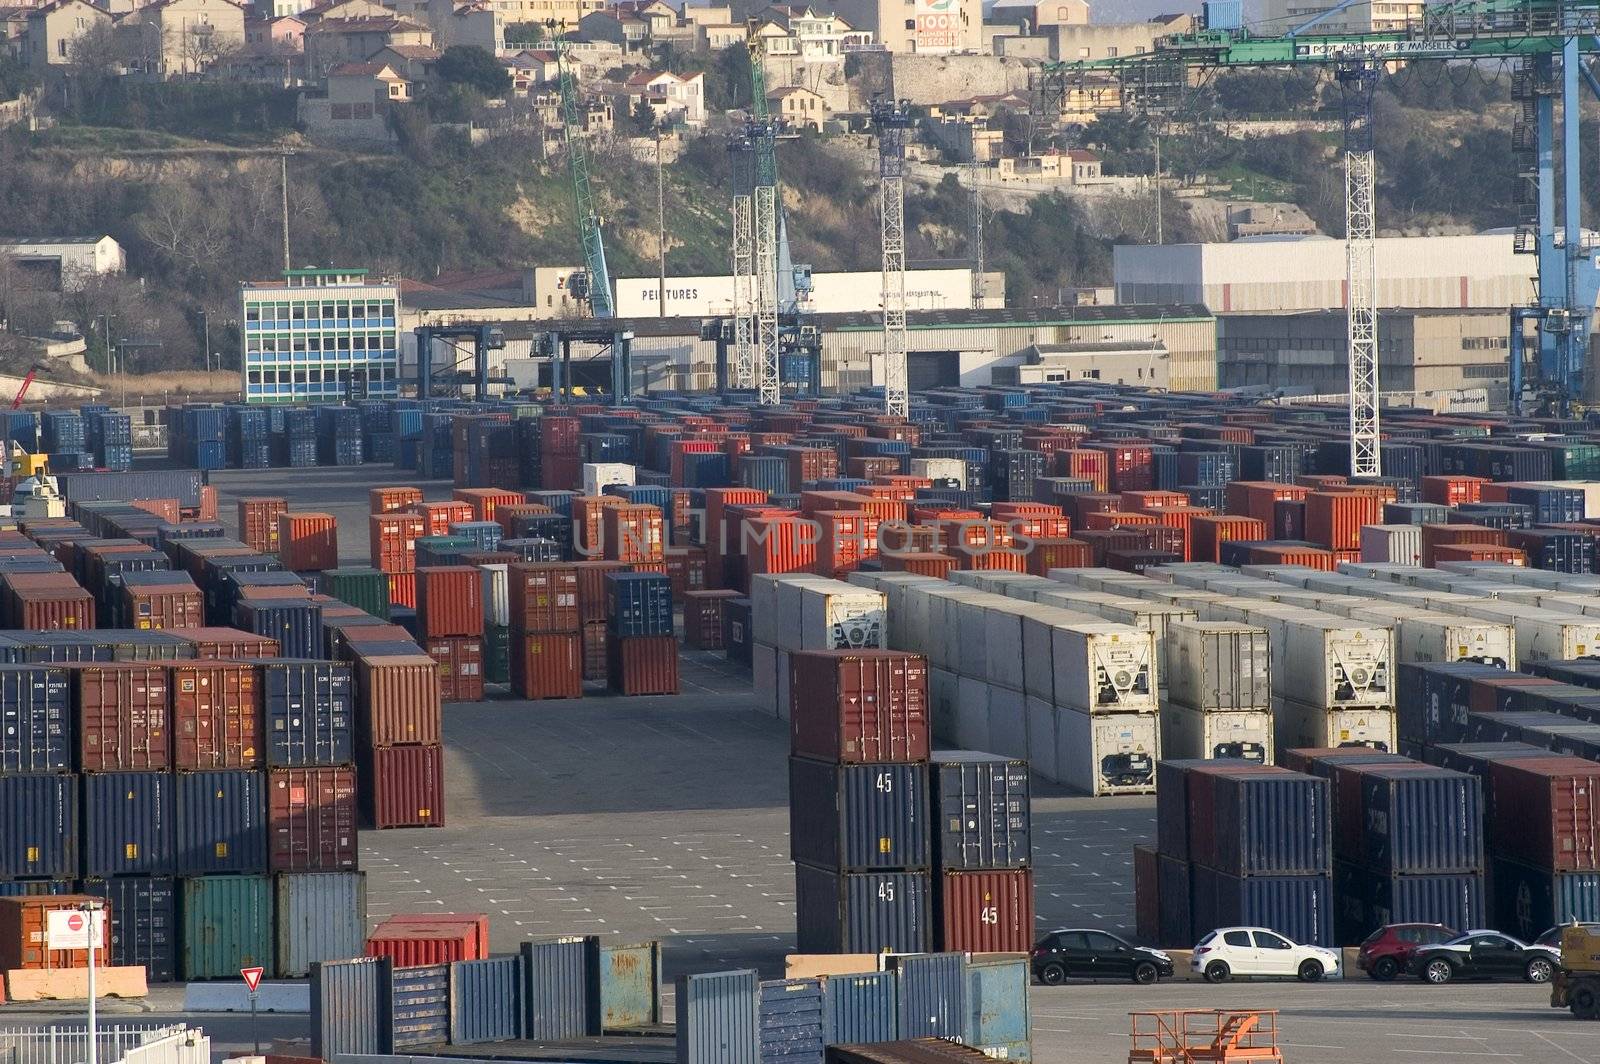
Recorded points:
524,33
470,67
15,77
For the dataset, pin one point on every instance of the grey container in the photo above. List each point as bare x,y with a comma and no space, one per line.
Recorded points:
485,1000
221,822
858,817
38,827
933,995
793,1022
861,912
350,1007
863,1008
630,986
1420,820
560,980
1218,665
717,1018
419,1005
998,1018
127,824
322,916
981,811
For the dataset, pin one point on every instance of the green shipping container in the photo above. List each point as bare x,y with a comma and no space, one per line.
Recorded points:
227,925
364,588
496,654
1576,461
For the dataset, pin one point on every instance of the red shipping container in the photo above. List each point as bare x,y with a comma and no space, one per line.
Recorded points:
920,562
1254,498
483,501
845,539
1208,533
859,706
559,436
1084,464
1047,554
985,912
476,924
411,946
165,606
403,590
1144,501
895,537
308,542
592,587
460,661
449,600
23,924
1334,518
1452,491
547,665
702,618
166,509
441,515
389,500
47,601
207,511
1279,554
258,523
777,545
401,786
1478,552
216,715
228,643
311,820
1109,519
633,532
1546,812
643,665
397,699
686,566
543,597
392,539
1440,535
123,717
596,662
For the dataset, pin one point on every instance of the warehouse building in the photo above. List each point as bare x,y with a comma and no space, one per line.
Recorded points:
831,293
319,336
1420,350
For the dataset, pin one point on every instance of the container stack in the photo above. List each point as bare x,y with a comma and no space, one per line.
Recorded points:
1237,844
249,438
65,439
1218,692
800,613
110,439
197,436
308,542
641,649
982,853
398,735
859,801
338,435
545,640
450,621
296,445
258,522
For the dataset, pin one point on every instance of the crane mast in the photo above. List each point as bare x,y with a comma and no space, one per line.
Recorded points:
1359,81
764,228
594,248
744,281
892,120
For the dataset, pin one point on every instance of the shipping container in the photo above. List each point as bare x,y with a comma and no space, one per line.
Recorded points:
23,942
1265,822
35,719
933,995
793,1021
350,1007
1547,812
1528,901
296,624
402,786
981,811
397,699
486,1000
559,978
39,817
309,712
1244,735
867,912
639,604
321,917
545,598
219,822
128,825
258,522
1103,668
546,665
311,820
984,911
419,1005
718,1018
1409,819
122,717
642,665
862,706
1367,900
999,1020
415,943
155,600
216,715
863,1008
1300,907
858,817
1218,665
1102,753
144,923
227,925
449,600
630,986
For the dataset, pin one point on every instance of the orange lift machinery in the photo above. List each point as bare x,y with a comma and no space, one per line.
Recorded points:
1205,1036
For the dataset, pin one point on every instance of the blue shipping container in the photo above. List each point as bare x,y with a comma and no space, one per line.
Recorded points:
861,912
128,824
557,977
35,719
1366,902
297,626
485,1000
858,817
144,923
630,986
1274,824
639,604
863,1008
1299,907
1173,889
1421,821
792,1024
419,1006
933,995
310,713
38,827
981,811
220,822
1529,901
717,1018
350,1007
998,1018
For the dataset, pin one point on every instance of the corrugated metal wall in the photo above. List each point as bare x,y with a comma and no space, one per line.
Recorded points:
863,1008
933,995
718,1019
557,975
322,916
350,1007
486,1000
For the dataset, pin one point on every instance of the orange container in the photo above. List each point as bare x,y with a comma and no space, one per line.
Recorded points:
643,665
1452,491
1321,481
1144,501
544,597
22,933
1478,552
441,515
1117,519
777,545
686,566
923,563
403,589
1254,498
227,643
1208,533
460,659
216,715
208,504
1083,464
388,500
633,532
1334,518
1310,557
588,522
845,539
1047,554
166,509
1434,536
484,501
392,538
47,601
258,523
547,665
163,606
308,542
449,600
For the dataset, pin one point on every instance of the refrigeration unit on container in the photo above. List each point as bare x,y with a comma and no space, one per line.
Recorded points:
1424,636
1104,668
1330,662
1245,735
858,817
1106,753
982,816
862,912
816,613
1218,665
859,706
1541,634
1297,724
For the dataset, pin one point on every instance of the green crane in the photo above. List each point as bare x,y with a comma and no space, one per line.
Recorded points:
598,279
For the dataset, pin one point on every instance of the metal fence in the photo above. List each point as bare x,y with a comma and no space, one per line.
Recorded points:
116,1044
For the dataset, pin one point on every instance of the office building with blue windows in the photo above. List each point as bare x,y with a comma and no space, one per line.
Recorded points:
319,336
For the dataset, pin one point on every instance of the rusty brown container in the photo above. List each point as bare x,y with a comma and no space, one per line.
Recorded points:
460,659
398,699
392,538
388,500
123,716
1546,812
484,501
402,787
544,598
547,665
22,933
702,618
228,643
859,705
258,522
985,912
311,819
216,715
596,634
643,665
47,601
450,600
634,532
592,588
162,605
166,509
441,515
308,542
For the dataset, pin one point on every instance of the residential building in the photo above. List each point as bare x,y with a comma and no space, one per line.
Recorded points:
532,68
1267,219
273,53
796,31
922,26
330,42
356,103
318,336
63,264
1032,16
473,25
13,25
596,117
707,14
657,17
965,139
672,98
278,30
339,9
799,107
1117,40
54,28
718,36
174,38
414,62
1367,16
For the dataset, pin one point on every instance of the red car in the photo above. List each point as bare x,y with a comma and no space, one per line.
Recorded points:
1387,950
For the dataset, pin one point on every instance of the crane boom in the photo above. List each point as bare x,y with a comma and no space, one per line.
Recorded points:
594,247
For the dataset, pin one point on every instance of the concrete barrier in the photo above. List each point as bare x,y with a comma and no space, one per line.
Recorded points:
233,997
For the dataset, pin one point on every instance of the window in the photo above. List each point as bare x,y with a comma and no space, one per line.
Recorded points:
1101,942
61,48
1267,940
911,23
1073,940
83,23
1111,52
255,376
252,313
1237,938
299,312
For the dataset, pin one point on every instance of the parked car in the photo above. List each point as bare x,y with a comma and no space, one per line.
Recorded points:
1387,951
1552,937
1084,953
1230,951
1485,955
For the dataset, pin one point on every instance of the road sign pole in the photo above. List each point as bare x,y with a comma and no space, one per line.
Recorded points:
252,982
92,1055
255,1029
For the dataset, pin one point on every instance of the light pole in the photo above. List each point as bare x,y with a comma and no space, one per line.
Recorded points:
205,324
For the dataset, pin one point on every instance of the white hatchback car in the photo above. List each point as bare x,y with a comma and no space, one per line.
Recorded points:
1230,951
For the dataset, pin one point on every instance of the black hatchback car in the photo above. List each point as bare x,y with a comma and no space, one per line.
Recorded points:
1485,955
1084,953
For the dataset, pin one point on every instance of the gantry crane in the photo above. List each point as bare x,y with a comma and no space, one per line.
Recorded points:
595,287
892,120
763,135
1544,38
